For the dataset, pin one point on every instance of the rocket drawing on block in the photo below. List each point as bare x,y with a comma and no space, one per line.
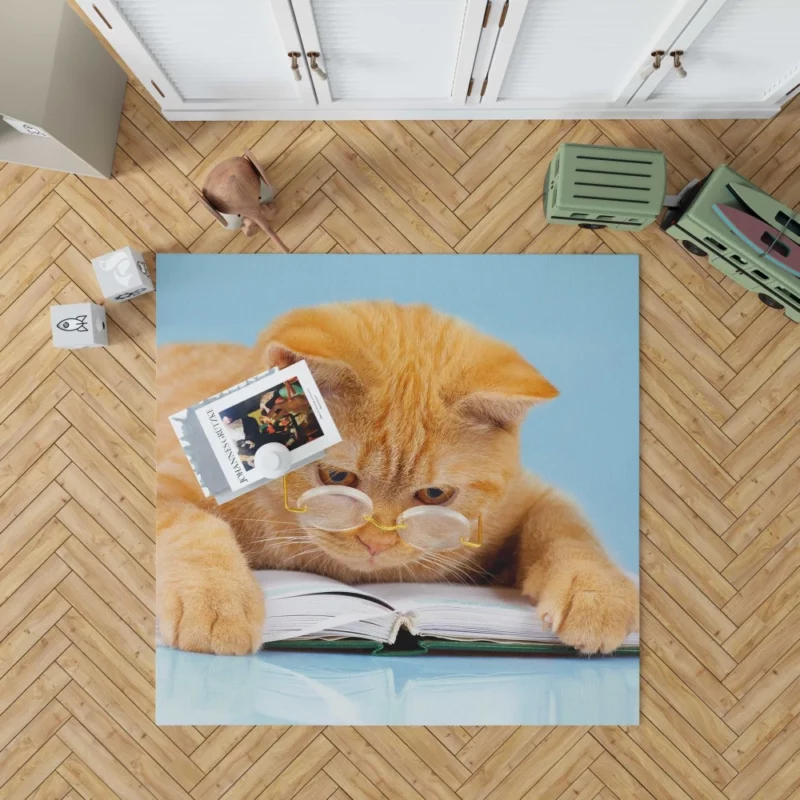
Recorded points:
73,324
78,325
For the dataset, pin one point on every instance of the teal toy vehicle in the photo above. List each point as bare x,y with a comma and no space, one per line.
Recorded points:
613,187
695,224
605,187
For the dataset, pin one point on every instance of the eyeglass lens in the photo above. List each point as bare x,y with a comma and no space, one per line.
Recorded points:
338,509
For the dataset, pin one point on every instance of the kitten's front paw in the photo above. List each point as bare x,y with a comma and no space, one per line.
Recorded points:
211,611
591,609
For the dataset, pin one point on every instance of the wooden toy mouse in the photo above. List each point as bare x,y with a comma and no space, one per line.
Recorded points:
238,194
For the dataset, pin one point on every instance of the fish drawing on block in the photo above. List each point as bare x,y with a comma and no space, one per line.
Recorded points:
769,209
74,324
764,239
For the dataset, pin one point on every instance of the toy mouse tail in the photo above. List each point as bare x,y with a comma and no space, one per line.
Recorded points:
263,223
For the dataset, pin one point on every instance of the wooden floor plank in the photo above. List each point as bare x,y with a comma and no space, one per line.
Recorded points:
360,156
136,108
119,744
437,143
426,168
503,179
25,199
493,152
12,176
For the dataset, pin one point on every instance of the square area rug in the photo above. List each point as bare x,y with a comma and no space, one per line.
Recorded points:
498,393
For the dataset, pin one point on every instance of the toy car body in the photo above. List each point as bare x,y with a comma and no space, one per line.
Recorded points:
605,187
702,232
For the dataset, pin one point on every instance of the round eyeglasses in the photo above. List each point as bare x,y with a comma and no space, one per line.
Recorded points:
338,509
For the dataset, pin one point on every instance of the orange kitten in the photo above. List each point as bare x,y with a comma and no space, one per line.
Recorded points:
430,412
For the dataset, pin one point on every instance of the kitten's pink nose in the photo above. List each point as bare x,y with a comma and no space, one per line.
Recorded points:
376,544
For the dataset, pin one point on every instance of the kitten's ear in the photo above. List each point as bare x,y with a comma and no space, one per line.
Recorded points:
303,335
332,376
505,389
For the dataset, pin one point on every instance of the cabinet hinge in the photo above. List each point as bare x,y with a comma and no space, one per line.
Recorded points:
487,12
469,88
483,88
503,15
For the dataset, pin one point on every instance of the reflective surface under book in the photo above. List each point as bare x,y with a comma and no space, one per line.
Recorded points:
281,688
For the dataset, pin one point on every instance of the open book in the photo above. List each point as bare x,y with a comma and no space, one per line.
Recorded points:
306,610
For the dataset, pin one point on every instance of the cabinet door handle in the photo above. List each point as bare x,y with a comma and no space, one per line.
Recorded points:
295,67
657,55
313,56
676,60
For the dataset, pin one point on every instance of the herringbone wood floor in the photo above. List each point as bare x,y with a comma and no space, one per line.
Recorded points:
720,468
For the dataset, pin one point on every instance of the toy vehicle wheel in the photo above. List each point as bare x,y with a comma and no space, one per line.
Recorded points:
592,226
769,301
693,248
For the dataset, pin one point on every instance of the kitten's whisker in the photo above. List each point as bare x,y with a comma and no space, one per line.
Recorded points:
316,558
294,536
278,540
449,567
269,520
271,541
289,560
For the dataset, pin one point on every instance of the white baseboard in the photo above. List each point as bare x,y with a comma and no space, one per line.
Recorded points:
700,111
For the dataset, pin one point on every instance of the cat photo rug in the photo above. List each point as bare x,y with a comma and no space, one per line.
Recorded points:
467,554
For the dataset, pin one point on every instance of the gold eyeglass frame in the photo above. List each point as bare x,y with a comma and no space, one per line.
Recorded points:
373,521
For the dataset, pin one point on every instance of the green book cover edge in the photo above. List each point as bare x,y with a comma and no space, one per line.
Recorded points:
412,646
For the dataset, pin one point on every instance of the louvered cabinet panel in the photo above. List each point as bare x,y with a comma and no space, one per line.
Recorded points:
749,51
434,59
207,52
390,51
580,50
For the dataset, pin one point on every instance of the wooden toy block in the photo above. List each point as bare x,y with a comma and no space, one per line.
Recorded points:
78,325
122,275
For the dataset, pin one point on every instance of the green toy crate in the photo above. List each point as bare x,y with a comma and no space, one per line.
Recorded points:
695,224
605,187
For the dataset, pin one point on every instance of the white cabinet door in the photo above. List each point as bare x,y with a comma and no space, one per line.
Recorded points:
392,54
734,51
207,54
578,53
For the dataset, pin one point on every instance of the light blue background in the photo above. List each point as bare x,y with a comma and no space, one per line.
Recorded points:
292,688
574,317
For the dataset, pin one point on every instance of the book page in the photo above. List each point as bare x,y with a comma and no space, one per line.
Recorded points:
469,613
466,613
277,583
304,605
321,616
280,583
406,597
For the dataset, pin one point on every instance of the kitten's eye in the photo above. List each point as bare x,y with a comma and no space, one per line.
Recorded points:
435,495
333,476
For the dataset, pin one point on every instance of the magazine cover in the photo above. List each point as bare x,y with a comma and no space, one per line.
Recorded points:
222,434
458,518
